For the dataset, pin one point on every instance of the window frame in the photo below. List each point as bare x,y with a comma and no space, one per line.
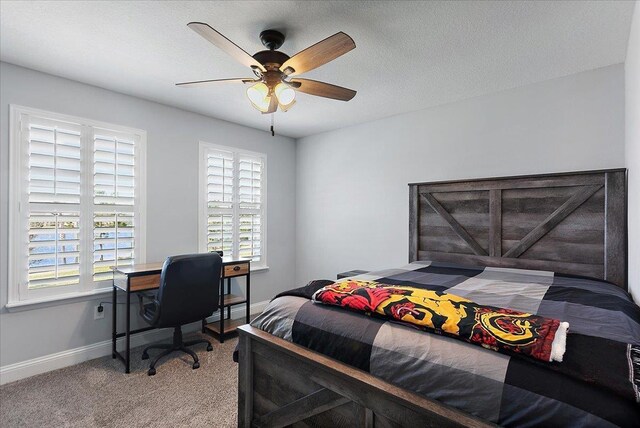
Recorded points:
18,293
203,149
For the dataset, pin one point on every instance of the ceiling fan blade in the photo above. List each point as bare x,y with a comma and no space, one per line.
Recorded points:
225,44
321,89
273,105
316,55
200,82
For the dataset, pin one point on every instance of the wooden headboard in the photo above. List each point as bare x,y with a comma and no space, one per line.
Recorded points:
573,223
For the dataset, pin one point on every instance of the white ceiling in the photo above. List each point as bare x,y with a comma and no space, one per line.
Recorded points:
409,55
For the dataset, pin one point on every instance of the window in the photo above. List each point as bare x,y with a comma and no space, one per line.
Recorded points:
77,204
232,203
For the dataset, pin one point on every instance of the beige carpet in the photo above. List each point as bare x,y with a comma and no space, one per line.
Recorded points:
97,393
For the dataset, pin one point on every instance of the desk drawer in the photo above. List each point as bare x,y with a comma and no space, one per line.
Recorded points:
236,270
144,282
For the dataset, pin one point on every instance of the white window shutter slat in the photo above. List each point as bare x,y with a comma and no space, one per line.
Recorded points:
219,199
114,183
54,249
53,152
77,205
220,233
113,243
113,168
234,202
220,177
54,164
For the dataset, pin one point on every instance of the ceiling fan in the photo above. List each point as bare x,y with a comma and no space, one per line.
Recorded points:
275,85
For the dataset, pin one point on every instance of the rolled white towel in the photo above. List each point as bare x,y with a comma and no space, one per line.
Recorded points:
559,344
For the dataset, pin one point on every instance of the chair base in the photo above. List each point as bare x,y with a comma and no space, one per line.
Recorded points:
177,345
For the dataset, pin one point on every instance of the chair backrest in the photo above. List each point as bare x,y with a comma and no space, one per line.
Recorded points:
189,288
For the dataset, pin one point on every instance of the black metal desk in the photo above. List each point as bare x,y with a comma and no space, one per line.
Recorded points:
145,277
231,268
131,279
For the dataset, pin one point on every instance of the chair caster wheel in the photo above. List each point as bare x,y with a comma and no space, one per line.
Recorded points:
145,356
209,348
151,372
195,365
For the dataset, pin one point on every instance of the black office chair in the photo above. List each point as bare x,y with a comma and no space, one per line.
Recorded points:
189,292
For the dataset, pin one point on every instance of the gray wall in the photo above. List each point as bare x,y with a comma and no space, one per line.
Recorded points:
352,195
172,199
340,200
632,157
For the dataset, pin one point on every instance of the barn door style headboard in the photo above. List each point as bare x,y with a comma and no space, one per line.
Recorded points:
573,223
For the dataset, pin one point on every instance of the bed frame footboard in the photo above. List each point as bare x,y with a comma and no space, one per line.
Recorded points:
284,384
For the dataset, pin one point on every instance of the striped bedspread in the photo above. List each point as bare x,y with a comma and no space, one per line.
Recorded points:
596,384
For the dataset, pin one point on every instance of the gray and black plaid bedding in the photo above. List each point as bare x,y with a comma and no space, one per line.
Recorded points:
596,384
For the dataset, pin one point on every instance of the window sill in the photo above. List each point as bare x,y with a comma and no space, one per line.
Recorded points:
22,305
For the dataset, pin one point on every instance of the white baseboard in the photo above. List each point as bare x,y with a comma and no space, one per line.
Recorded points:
58,360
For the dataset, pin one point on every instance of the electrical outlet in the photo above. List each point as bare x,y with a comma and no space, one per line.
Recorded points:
97,313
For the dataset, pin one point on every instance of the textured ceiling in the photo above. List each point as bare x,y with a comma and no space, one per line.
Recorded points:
409,55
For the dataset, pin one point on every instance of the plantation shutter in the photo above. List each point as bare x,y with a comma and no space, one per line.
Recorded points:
76,200
250,207
114,222
220,199
53,222
232,207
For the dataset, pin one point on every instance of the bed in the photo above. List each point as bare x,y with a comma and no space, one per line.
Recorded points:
549,244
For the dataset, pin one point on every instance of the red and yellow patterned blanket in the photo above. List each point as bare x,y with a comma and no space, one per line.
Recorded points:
490,327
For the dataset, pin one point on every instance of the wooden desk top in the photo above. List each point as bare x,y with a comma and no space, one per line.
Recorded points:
140,269
227,260
151,268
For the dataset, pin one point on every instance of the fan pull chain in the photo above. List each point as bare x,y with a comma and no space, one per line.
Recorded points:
273,133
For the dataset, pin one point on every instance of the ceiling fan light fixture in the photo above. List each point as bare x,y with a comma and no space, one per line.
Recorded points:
286,96
258,94
286,108
272,89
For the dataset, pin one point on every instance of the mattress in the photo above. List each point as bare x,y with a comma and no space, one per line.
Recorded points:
596,384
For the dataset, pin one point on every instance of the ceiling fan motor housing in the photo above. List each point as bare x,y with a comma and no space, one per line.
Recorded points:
271,59
272,39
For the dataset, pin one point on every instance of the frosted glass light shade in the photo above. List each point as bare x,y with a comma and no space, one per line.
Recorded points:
285,94
258,94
